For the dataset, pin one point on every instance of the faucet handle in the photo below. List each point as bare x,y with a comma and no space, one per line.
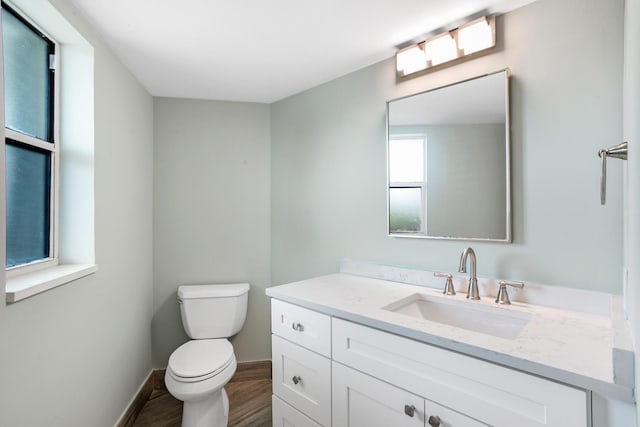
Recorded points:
503,296
448,287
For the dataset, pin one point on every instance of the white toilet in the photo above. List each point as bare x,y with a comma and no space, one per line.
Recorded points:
199,369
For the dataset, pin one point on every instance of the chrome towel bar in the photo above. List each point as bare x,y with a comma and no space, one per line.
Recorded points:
619,152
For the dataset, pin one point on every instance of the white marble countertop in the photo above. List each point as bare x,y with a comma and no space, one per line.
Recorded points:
576,348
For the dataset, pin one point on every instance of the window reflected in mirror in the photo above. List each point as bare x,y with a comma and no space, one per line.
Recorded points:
406,183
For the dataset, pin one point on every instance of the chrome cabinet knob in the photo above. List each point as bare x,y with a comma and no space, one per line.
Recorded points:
296,379
297,326
434,421
409,410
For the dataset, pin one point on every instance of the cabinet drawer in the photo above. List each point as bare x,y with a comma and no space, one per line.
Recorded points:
302,378
302,326
286,416
484,391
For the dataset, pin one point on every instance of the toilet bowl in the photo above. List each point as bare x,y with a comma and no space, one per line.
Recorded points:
199,369
196,374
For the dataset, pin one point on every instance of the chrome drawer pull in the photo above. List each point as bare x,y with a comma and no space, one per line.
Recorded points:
297,326
434,421
409,410
296,379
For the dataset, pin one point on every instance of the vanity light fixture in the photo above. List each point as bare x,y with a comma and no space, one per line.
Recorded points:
467,39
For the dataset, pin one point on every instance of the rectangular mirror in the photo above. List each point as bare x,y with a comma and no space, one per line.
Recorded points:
448,162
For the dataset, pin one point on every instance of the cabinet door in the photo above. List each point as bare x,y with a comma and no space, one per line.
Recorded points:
362,401
286,416
302,378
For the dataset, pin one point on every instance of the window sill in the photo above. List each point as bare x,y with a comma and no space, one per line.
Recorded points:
29,284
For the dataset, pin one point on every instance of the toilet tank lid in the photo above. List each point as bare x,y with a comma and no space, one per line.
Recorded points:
212,291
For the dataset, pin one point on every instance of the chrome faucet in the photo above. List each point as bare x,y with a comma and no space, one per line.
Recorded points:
472,289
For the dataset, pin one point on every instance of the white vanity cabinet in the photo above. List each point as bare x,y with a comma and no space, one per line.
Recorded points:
333,372
301,350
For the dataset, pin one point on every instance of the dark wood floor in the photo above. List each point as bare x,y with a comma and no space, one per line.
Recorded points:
249,406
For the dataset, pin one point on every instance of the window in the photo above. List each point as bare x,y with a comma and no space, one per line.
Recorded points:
49,156
31,148
407,184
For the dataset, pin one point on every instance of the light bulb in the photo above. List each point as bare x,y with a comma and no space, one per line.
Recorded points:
410,60
441,49
475,37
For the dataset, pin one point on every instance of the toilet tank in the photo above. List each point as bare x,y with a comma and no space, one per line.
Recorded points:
213,311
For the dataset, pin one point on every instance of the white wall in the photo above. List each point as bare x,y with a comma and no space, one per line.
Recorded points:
632,196
75,355
211,213
328,158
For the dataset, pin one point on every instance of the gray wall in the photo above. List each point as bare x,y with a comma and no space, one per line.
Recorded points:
466,186
211,213
328,158
75,355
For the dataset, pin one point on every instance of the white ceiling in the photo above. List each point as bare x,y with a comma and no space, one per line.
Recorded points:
263,51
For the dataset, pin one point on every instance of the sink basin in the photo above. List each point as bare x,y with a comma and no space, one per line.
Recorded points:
468,315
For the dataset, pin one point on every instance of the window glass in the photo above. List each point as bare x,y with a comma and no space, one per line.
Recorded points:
406,159
27,78
29,169
28,181
405,209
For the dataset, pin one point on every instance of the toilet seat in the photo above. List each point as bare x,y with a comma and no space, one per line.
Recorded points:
199,360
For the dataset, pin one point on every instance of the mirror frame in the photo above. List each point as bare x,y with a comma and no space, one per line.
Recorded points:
509,222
